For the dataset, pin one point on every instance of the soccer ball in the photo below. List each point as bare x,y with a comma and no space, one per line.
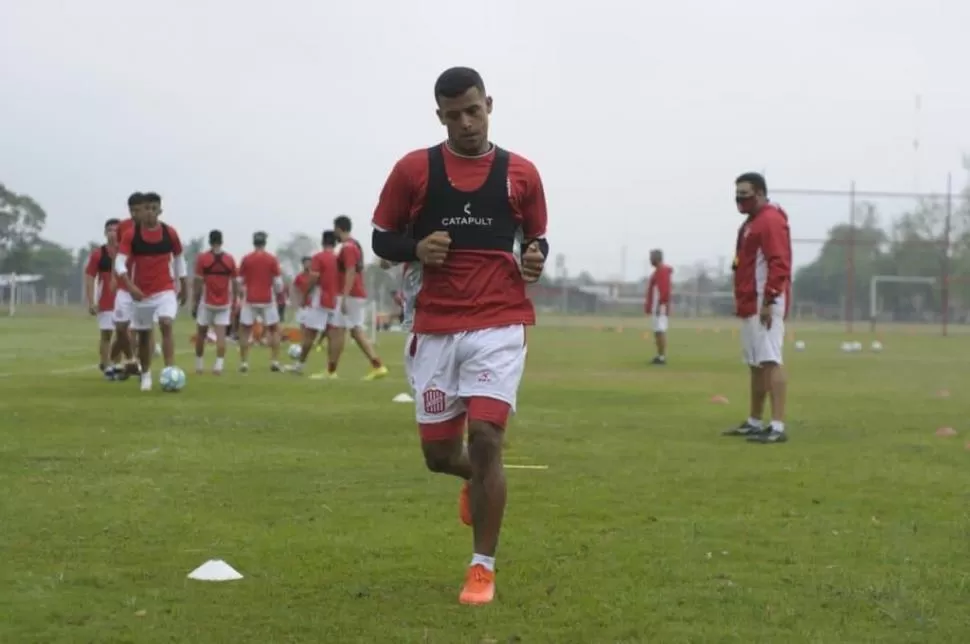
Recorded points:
172,379
295,351
876,346
799,345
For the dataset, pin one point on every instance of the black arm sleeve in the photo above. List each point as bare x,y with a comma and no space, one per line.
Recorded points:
395,247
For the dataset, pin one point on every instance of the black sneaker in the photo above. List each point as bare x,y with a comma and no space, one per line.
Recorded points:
769,436
659,360
745,429
275,368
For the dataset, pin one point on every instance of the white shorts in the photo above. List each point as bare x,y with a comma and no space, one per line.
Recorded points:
106,321
268,313
153,308
213,316
660,323
444,370
354,318
319,319
301,315
123,306
759,344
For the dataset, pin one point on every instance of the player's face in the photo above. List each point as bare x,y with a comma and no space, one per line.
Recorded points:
747,198
306,266
466,118
135,212
111,234
150,213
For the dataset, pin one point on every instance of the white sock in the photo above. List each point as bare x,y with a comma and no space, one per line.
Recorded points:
298,366
276,363
199,363
754,422
777,426
482,560
219,362
146,376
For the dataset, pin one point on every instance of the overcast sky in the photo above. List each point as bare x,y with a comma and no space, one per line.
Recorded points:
249,115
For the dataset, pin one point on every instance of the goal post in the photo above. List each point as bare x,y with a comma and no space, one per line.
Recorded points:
889,279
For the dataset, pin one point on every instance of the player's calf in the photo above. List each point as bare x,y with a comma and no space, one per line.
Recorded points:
201,333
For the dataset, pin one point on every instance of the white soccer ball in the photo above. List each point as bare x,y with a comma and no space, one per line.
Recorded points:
799,345
172,379
295,351
846,347
876,346
856,346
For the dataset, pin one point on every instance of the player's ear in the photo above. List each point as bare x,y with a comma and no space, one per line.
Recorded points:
441,118
488,104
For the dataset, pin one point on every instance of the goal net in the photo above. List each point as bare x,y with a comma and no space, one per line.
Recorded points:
877,309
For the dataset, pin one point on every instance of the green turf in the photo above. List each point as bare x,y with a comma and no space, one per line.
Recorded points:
647,526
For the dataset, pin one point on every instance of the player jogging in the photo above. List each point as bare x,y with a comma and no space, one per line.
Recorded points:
123,302
762,287
658,303
351,303
300,290
458,209
215,290
260,279
100,295
155,251
324,284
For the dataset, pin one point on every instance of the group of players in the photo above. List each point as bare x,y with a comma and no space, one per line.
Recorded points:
467,219
138,279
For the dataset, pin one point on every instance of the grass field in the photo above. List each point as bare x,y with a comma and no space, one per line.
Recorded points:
647,526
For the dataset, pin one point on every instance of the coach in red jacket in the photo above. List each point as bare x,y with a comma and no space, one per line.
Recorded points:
762,288
658,303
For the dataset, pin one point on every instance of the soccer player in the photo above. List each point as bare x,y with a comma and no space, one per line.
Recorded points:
658,303
301,290
260,278
320,317
762,287
155,251
351,302
97,278
123,303
215,289
454,212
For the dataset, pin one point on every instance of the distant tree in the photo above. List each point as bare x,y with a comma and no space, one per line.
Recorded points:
298,246
21,220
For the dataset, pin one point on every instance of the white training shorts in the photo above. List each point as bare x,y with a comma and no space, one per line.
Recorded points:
213,315
301,315
106,321
760,344
660,323
152,308
445,369
354,317
318,318
123,306
268,313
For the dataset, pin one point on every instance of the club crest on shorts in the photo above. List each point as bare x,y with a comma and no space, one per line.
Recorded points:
434,401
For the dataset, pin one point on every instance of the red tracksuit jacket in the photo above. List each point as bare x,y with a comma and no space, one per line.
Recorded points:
762,263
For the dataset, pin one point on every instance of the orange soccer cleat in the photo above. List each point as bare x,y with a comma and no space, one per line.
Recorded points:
465,504
479,586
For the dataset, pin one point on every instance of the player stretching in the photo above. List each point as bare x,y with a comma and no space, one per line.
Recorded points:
762,284
97,278
215,290
351,303
260,278
658,303
458,208
155,250
319,319
123,303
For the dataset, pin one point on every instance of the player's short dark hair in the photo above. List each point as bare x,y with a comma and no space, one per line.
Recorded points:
135,199
259,238
153,197
342,223
455,81
215,238
306,258
656,251
756,179
329,238
111,222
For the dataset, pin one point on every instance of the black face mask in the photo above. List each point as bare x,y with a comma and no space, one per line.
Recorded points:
746,204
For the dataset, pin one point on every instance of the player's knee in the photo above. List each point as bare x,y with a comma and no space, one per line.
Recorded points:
484,441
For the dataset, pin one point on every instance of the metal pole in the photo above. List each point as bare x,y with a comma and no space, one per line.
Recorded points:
850,264
945,293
